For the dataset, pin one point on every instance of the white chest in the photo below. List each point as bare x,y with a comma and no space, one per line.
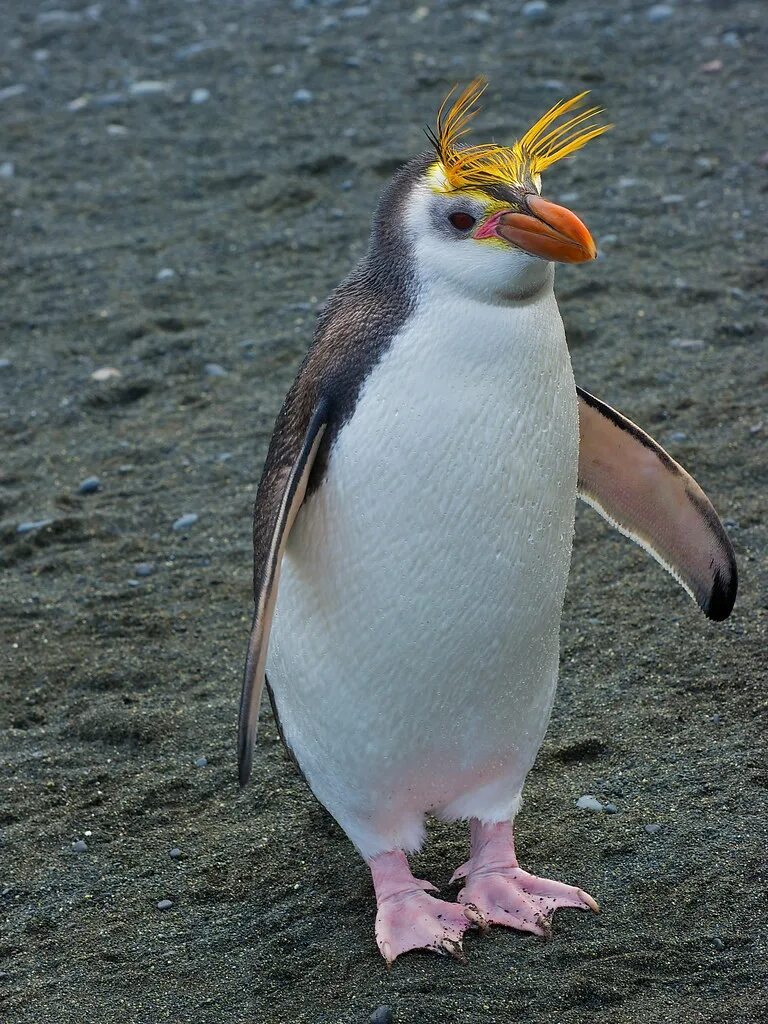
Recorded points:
421,594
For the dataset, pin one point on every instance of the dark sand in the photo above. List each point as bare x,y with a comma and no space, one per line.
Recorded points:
112,688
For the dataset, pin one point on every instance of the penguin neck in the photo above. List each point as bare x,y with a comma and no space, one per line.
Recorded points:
532,282
463,334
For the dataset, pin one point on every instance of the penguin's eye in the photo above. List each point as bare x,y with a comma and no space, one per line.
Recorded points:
462,221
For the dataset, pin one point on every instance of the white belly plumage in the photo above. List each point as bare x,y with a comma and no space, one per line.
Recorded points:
414,651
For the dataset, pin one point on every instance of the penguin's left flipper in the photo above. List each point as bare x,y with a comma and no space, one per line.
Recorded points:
281,492
640,489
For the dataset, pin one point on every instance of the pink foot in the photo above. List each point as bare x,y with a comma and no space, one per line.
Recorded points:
498,891
409,919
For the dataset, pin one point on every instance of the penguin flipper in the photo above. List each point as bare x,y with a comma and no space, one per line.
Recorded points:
280,495
638,488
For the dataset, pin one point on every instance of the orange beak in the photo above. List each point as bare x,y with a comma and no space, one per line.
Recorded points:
548,231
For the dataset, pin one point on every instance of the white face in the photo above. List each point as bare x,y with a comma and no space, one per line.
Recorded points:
441,226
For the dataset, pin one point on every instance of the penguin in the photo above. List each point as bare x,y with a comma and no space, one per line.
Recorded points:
414,520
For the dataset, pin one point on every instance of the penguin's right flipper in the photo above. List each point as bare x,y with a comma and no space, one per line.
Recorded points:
281,491
634,484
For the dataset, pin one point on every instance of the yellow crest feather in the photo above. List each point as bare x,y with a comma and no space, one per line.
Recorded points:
490,164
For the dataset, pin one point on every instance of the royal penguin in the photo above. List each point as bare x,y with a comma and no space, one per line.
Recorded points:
414,521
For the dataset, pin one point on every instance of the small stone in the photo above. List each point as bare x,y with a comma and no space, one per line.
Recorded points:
165,274
7,169
381,1015
11,91
478,15
105,373
188,519
711,67
693,344
109,99
5,364
148,87
33,524
357,11
589,803
79,103
198,96
626,181
80,846
175,853
303,96
718,943
659,138
201,762
610,808
653,829
90,485
659,12
144,569
224,456
117,129
678,435
214,370
535,10
672,199
164,904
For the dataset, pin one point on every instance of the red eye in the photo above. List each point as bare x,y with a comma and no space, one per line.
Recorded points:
462,221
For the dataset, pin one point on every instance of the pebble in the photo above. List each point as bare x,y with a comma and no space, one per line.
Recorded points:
7,169
148,87
381,1015
109,99
90,485
731,39
718,943
105,373
10,91
589,803
357,11
144,568
678,435
175,853
188,519
198,96
659,138
694,344
672,198
303,96
652,829
117,129
610,808
33,524
5,364
80,846
214,370
164,904
659,12
478,15
711,67
535,10
201,762
165,274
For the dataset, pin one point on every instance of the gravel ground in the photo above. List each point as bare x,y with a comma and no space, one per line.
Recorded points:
180,183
